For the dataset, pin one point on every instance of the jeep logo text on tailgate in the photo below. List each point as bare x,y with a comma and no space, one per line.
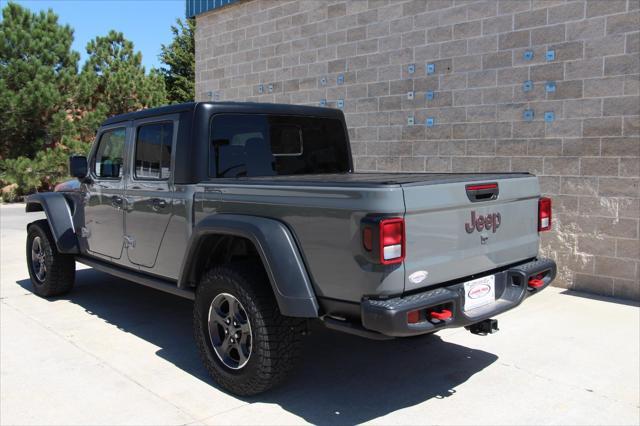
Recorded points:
488,222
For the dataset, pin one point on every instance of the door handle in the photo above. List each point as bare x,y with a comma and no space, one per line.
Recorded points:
158,203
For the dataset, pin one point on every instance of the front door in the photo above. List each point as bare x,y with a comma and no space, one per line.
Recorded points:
104,214
149,191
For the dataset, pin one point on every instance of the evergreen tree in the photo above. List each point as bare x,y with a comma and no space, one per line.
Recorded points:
180,60
47,109
37,74
113,81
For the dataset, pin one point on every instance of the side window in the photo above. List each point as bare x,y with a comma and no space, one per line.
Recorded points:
270,144
241,146
153,151
107,162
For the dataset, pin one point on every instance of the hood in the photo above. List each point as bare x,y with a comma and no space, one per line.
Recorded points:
70,185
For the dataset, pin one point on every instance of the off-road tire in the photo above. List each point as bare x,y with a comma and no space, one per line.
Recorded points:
275,338
60,268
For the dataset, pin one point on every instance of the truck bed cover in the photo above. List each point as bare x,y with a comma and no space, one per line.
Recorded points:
375,179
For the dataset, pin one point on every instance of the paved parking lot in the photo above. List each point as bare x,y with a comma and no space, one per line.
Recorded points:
112,352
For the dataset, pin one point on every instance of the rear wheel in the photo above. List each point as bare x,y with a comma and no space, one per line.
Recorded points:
230,331
245,343
51,273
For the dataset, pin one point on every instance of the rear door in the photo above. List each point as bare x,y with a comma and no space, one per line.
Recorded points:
149,190
455,230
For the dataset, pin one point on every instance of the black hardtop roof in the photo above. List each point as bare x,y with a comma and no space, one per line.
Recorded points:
233,107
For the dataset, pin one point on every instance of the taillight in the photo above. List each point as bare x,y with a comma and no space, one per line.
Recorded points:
392,241
482,187
482,192
544,214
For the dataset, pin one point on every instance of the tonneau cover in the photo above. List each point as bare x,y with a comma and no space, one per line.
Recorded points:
375,179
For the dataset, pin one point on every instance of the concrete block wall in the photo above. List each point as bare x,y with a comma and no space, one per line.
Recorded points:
363,52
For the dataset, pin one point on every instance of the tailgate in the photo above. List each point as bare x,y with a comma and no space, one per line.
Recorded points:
442,241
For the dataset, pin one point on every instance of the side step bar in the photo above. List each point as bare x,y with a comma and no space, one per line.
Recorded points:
137,277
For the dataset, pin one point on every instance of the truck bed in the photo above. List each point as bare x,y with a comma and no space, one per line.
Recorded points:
325,213
378,179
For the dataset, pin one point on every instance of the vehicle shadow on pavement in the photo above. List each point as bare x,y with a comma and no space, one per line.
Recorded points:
341,379
350,380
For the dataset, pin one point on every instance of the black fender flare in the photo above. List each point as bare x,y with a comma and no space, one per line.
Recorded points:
279,253
59,216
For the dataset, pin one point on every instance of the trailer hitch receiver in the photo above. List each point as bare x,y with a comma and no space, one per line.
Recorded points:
482,328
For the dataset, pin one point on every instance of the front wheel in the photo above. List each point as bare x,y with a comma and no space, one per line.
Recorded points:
245,343
52,273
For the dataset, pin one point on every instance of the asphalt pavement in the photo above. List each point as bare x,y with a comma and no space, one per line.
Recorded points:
113,352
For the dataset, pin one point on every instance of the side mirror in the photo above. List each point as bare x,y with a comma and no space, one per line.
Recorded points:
78,166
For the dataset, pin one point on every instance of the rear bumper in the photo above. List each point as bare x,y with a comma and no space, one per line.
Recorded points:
389,316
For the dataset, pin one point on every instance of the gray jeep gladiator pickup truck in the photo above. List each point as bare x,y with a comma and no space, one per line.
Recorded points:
254,212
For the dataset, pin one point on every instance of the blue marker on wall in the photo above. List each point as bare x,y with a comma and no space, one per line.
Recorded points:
527,115
549,116
431,68
550,87
551,55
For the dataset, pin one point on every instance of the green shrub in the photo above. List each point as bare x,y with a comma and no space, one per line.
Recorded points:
9,194
20,171
41,173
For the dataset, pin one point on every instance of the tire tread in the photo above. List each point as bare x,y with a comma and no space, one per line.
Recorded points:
61,268
278,344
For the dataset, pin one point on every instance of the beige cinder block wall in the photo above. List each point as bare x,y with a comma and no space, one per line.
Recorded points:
588,157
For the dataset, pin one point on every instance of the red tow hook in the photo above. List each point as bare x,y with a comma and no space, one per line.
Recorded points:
444,314
535,283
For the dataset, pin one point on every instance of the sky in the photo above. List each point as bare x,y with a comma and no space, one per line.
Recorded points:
147,23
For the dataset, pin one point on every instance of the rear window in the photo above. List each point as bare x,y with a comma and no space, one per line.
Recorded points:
270,145
153,151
